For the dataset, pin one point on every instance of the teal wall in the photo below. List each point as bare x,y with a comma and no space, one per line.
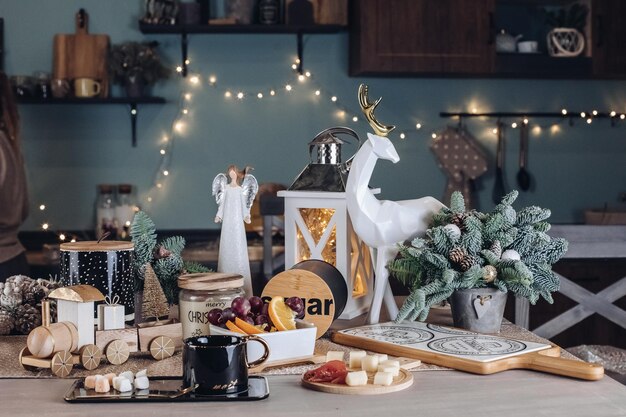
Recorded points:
70,149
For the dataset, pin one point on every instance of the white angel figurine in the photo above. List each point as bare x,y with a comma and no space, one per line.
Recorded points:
234,201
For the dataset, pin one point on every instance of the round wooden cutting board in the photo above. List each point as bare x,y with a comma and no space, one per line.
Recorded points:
402,381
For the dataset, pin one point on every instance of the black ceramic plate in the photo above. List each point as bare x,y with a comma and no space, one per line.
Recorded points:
161,389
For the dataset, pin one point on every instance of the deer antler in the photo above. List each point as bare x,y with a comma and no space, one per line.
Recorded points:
368,110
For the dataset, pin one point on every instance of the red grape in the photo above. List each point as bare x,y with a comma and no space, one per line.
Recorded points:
241,307
249,320
261,319
265,309
295,304
256,304
215,316
228,315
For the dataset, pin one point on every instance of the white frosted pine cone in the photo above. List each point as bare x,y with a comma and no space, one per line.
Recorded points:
511,254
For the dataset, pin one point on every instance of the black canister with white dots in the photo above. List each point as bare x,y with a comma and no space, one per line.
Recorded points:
106,265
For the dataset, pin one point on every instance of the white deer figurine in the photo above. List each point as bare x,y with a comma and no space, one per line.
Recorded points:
382,224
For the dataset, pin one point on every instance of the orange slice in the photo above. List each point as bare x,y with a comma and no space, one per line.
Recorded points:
233,327
247,327
280,313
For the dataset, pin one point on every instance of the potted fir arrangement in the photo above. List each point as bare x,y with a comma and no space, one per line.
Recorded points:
136,65
473,259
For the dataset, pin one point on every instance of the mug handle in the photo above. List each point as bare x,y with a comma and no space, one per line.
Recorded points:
97,88
265,355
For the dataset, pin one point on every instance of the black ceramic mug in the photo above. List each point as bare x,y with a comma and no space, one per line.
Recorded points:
219,364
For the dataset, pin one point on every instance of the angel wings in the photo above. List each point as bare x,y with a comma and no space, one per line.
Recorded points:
249,189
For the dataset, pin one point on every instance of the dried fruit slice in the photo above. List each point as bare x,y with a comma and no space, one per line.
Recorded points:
282,316
233,327
247,327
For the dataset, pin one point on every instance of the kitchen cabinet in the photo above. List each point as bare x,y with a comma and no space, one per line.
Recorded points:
445,38
609,35
422,36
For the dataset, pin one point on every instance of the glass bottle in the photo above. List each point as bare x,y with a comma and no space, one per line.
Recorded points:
105,212
269,12
201,293
125,209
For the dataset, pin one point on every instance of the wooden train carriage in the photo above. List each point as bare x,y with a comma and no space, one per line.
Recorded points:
160,338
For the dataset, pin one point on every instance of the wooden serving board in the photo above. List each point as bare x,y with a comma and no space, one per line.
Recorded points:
81,55
402,381
463,350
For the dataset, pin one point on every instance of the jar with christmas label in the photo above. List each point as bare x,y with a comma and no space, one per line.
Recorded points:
202,292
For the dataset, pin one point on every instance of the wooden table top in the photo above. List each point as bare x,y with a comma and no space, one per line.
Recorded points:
454,394
434,393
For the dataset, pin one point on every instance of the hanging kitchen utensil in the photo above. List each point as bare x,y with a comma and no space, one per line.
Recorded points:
462,160
499,187
523,176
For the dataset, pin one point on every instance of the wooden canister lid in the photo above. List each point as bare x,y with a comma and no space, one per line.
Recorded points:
210,281
320,285
95,246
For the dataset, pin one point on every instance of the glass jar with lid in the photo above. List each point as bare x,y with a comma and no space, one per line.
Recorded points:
201,293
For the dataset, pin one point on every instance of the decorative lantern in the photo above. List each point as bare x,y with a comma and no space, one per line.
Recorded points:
317,224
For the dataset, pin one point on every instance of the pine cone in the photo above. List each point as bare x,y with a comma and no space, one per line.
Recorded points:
27,318
33,294
467,262
458,219
10,300
496,248
7,323
457,254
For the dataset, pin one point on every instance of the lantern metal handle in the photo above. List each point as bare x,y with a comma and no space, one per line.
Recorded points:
345,167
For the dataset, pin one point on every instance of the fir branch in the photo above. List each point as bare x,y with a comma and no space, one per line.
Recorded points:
457,203
174,244
191,267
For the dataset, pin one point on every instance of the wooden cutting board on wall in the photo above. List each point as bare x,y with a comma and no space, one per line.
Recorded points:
81,55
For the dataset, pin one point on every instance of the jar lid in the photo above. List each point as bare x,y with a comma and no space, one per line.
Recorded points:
124,188
208,281
95,246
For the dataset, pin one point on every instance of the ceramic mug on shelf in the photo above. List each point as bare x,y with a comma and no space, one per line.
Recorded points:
60,87
218,365
527,47
86,87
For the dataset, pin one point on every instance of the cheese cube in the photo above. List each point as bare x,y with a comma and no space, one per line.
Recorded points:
355,379
125,386
370,363
382,357
391,369
110,377
355,358
102,384
334,355
117,381
90,381
128,375
390,363
142,382
383,378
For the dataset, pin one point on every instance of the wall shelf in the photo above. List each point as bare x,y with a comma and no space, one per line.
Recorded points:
131,102
185,30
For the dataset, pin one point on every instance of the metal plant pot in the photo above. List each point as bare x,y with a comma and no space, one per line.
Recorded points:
478,309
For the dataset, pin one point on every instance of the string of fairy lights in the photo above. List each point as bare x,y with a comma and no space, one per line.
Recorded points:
305,83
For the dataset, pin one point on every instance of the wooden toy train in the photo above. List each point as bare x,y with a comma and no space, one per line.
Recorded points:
73,339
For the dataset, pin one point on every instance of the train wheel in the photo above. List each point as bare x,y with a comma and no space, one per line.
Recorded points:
90,357
117,352
162,347
62,363
25,352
